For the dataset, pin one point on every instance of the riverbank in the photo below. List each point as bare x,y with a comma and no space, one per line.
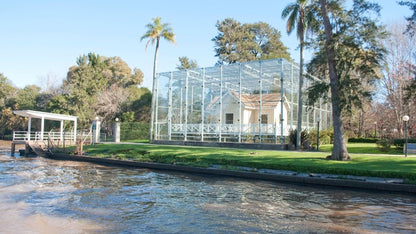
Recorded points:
293,167
355,182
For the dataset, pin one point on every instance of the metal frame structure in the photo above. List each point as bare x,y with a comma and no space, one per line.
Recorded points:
245,102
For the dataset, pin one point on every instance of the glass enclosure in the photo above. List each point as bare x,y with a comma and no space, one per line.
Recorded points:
245,102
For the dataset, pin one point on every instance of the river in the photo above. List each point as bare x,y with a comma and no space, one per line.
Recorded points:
39,195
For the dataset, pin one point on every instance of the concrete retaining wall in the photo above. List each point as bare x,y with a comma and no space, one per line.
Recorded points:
345,183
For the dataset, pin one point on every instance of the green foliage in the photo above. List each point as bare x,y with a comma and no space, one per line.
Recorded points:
238,42
399,143
93,88
6,89
186,64
411,27
359,53
384,145
134,131
325,136
304,138
362,140
139,103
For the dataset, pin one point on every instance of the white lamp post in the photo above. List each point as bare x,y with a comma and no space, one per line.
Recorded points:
405,120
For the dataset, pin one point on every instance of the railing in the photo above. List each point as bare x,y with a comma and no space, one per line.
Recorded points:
35,136
246,129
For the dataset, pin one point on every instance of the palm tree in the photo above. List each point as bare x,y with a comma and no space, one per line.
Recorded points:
155,31
301,17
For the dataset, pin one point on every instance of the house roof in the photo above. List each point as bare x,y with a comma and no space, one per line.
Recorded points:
253,100
45,115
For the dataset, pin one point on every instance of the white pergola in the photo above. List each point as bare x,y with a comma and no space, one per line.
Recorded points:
49,116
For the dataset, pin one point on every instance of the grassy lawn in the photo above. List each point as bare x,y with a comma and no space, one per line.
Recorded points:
362,165
363,148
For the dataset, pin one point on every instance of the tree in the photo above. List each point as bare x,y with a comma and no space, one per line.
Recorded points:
155,31
411,26
238,42
301,17
349,51
398,75
186,64
411,30
6,90
94,84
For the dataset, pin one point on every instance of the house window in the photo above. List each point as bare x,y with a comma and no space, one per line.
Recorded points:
229,118
263,119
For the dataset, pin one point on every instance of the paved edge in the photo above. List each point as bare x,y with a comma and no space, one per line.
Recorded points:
344,183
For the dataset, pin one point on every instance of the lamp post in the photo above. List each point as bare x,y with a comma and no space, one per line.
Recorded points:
317,138
375,129
405,120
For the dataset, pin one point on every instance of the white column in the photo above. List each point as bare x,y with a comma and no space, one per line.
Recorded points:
42,126
62,131
75,130
29,126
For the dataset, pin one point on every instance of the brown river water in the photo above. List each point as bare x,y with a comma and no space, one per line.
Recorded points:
39,195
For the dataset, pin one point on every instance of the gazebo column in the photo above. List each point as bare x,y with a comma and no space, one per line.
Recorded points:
29,126
61,133
75,130
42,127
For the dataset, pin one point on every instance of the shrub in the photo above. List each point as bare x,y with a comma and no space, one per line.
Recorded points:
324,136
399,143
384,145
304,138
134,131
362,140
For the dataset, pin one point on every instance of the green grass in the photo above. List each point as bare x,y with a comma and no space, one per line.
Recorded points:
361,165
362,148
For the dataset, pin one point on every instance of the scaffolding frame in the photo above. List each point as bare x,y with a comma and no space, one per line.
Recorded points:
244,102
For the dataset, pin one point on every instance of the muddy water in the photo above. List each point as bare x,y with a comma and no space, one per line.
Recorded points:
44,196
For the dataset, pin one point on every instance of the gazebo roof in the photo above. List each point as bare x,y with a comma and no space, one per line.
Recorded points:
45,115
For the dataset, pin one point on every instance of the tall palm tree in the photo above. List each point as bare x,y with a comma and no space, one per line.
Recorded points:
155,31
301,18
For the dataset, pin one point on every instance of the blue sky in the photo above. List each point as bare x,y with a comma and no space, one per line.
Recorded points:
41,38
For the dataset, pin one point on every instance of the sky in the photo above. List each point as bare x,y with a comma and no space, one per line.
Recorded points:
43,38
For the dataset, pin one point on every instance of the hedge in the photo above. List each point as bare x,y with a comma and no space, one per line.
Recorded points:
134,131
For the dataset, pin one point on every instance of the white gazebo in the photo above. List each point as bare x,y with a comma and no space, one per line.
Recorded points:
49,116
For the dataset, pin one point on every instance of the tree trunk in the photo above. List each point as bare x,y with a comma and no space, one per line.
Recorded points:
339,151
300,103
152,110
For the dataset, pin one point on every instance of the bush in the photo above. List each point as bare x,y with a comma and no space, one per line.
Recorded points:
134,131
362,140
399,143
384,145
304,138
324,136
